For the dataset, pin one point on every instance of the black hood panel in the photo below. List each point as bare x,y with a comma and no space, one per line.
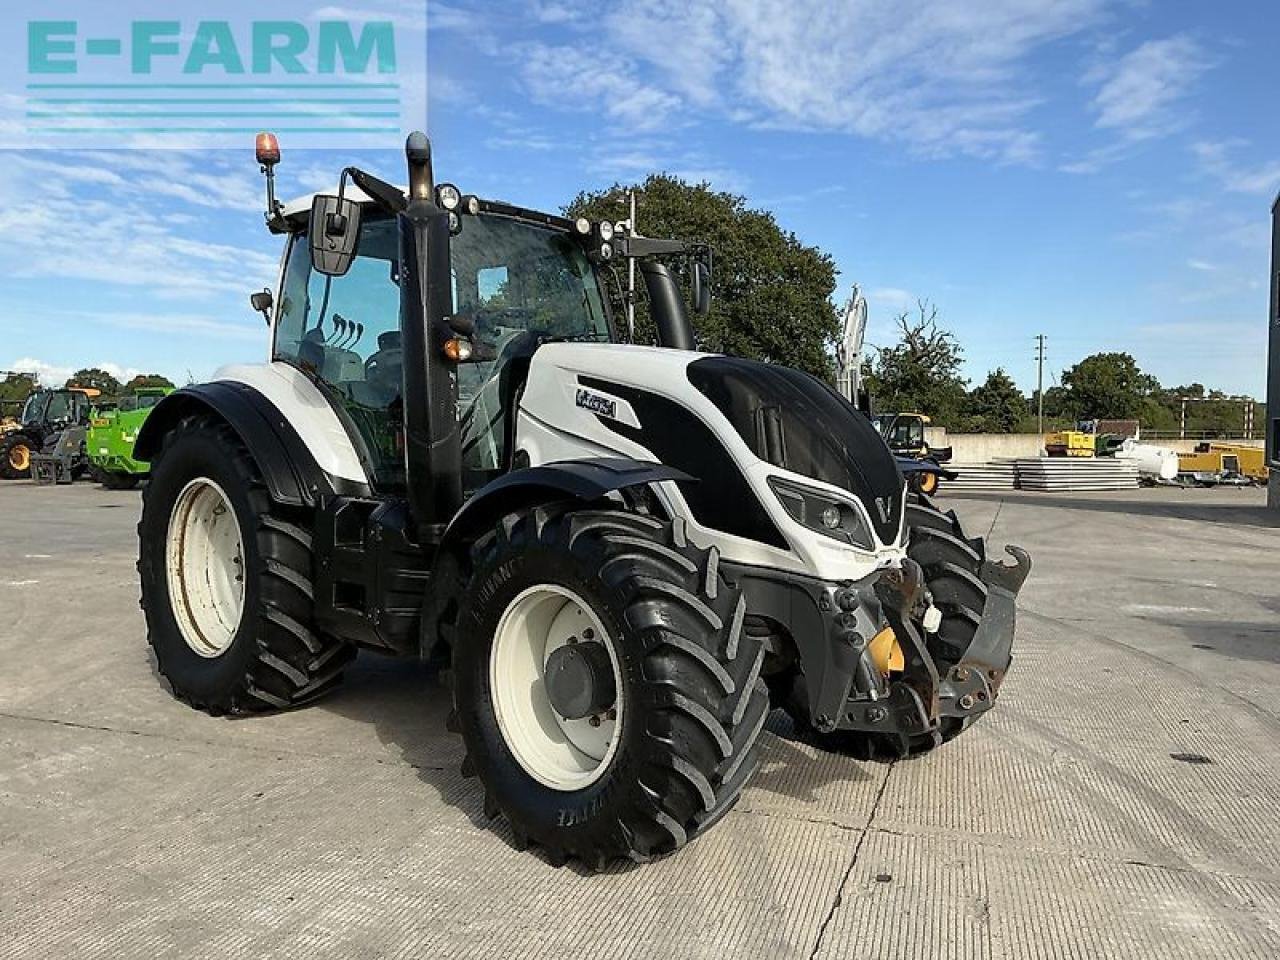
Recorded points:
797,422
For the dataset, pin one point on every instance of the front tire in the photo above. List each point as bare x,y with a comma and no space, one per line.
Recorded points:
952,566
689,706
226,580
15,456
925,483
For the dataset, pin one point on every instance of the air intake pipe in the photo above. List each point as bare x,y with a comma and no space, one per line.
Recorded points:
667,307
433,448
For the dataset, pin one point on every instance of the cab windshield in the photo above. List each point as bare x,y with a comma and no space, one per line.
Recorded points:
31,409
900,431
518,282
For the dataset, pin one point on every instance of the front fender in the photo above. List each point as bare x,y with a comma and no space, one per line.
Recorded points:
583,480
910,465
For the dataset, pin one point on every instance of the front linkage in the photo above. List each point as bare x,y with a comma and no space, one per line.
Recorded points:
927,700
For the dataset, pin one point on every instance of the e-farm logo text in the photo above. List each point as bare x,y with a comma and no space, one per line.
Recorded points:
168,82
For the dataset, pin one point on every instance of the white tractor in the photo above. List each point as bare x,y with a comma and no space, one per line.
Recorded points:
626,555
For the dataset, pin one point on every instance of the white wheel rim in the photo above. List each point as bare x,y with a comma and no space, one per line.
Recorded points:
559,753
204,564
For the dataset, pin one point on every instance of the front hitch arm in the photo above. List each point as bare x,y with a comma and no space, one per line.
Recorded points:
969,688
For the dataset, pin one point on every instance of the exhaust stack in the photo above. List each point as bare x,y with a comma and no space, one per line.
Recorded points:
417,151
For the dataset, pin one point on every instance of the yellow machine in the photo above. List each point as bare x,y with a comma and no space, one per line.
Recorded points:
10,412
904,433
1225,458
1069,443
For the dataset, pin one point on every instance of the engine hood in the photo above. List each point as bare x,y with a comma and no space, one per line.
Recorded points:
688,409
795,421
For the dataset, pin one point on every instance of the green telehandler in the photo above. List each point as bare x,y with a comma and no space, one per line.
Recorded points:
112,432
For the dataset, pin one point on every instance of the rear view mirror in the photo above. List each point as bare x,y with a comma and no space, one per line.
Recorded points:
262,302
701,289
334,232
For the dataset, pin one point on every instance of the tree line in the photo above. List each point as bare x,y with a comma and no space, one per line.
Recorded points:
16,387
774,301
921,373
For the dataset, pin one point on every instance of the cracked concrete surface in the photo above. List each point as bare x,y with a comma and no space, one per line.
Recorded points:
1061,826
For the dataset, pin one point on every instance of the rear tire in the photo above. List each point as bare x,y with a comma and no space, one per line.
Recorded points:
690,704
220,653
121,481
114,479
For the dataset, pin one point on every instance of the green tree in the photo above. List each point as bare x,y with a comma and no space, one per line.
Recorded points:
772,293
1108,386
997,405
97,378
144,380
921,372
15,387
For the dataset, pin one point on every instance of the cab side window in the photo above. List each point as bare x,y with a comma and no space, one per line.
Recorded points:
345,332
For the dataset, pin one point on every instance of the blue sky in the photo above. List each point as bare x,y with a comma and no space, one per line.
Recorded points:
1098,172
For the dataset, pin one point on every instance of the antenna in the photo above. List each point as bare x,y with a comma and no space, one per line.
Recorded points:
631,271
849,349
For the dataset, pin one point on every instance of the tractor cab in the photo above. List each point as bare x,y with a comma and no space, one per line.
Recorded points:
517,279
903,432
51,408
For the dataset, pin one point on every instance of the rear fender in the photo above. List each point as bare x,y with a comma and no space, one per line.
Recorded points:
288,467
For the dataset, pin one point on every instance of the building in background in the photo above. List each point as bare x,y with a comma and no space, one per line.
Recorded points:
1273,362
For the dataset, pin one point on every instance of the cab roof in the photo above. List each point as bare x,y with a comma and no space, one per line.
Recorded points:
301,206
297,210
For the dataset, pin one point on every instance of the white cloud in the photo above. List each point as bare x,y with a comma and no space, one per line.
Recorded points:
1262,179
1202,265
891,298
122,235
48,374
649,157
1137,93
942,77
56,374
409,16
574,78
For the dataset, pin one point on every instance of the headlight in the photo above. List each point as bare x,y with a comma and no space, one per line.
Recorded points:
471,204
606,231
606,251
582,225
823,513
447,196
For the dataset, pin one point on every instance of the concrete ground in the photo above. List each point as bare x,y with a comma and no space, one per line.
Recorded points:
1121,801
